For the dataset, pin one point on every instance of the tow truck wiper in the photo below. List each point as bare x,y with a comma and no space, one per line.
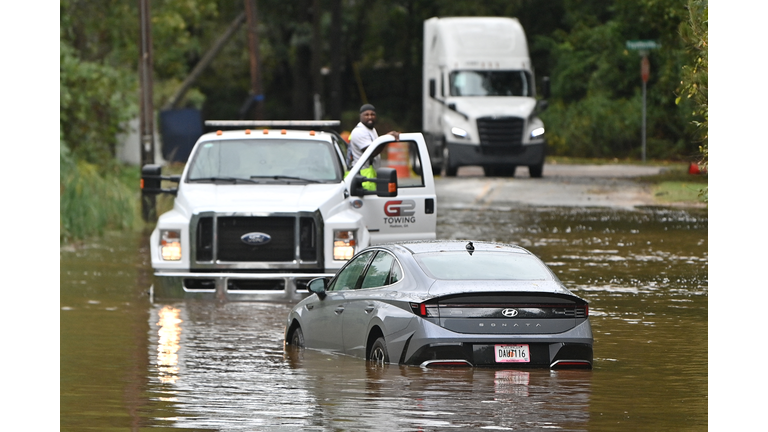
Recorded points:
282,177
222,179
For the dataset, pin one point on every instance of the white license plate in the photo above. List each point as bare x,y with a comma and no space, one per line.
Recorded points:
512,354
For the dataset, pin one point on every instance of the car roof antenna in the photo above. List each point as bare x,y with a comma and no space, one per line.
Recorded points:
470,248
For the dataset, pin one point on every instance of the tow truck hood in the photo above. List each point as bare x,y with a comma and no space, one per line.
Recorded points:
262,198
494,106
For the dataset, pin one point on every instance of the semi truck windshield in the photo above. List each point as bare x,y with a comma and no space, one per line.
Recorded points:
490,83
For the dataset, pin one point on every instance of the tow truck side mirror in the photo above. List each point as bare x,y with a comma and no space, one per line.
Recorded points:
386,183
151,181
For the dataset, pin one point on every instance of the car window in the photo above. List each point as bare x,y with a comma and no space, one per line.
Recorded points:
350,274
396,274
378,272
482,265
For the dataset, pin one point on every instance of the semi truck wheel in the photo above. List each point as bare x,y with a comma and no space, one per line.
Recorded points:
536,170
450,170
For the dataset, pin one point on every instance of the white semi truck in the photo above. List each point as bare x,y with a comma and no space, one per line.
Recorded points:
261,210
480,104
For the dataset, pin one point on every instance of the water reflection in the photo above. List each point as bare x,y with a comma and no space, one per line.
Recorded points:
168,344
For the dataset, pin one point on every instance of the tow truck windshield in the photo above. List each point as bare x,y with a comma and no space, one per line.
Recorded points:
255,160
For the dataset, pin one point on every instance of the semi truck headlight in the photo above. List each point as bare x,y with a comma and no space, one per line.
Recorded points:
170,245
536,133
459,132
344,243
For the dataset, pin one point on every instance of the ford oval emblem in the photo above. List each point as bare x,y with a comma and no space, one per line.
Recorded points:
255,238
509,313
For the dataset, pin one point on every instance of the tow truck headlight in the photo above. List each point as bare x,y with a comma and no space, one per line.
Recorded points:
344,243
536,133
170,245
459,132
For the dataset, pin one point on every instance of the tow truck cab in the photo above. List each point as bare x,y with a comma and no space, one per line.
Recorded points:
262,210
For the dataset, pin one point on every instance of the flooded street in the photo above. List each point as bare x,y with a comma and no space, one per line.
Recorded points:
127,363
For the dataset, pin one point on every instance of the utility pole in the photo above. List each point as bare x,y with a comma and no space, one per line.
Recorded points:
257,96
317,78
336,60
146,109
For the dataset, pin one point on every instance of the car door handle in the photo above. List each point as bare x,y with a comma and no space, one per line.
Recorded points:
369,308
339,310
310,307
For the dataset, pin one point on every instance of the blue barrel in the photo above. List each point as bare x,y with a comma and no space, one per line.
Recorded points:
180,129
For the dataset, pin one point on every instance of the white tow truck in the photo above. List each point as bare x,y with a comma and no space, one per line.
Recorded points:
261,210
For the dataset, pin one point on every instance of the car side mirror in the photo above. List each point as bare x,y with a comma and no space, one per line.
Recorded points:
318,286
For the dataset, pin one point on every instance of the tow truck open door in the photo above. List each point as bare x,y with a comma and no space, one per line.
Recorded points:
411,215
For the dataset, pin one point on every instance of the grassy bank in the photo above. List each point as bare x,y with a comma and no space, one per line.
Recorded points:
92,201
676,185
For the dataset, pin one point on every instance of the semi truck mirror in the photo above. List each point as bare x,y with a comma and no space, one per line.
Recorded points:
545,87
432,88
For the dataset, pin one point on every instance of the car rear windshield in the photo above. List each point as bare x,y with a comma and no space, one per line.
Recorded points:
254,159
483,265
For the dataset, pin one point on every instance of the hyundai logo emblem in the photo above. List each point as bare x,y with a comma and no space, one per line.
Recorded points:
509,313
255,238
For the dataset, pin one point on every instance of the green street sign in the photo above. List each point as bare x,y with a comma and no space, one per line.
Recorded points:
642,45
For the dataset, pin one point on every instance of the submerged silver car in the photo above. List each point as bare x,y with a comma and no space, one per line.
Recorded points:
445,303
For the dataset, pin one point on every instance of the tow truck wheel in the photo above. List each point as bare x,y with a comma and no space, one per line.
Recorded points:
297,338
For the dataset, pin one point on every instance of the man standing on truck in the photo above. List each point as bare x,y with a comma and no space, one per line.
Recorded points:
363,134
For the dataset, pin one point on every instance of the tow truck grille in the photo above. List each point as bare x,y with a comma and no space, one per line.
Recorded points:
506,132
232,248
220,239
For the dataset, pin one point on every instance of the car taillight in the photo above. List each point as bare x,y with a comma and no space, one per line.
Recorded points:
425,310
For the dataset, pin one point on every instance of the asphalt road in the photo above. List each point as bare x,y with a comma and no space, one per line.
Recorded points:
561,185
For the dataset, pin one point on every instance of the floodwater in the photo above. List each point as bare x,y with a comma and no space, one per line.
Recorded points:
129,364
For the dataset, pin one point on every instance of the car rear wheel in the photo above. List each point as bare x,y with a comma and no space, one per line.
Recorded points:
378,353
297,338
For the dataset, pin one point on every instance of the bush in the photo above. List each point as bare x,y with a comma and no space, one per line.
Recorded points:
91,203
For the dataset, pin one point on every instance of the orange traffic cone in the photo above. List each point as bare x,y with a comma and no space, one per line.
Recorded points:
694,168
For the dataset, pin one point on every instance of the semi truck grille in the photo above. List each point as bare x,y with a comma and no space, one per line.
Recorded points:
506,132
220,239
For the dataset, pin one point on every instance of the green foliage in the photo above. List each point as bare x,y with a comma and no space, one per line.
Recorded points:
96,100
596,104
91,202
694,33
